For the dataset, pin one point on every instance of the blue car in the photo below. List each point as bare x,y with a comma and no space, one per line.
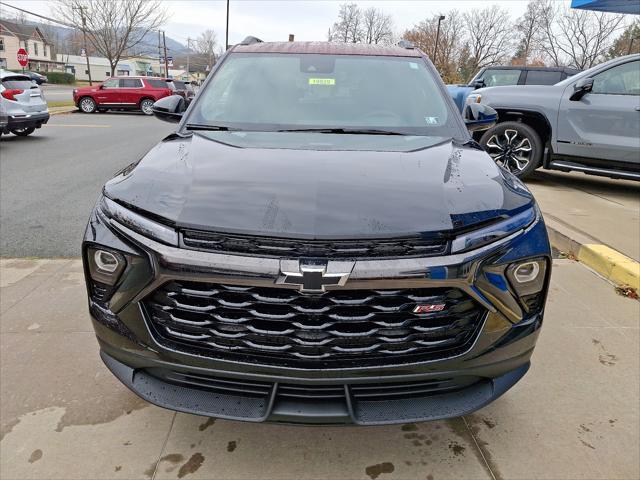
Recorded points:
320,242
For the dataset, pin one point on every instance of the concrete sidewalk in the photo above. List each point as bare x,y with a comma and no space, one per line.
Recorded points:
603,210
64,416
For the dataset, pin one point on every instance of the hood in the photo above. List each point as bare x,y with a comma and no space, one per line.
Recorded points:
199,183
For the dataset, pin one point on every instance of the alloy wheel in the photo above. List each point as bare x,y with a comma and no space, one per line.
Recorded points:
87,105
147,107
510,149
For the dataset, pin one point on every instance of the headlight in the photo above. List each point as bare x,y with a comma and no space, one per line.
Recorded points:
473,98
138,223
491,233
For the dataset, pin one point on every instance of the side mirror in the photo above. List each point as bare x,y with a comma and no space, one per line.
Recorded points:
478,84
479,117
581,88
170,109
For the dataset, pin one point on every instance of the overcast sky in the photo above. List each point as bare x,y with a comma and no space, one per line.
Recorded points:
275,20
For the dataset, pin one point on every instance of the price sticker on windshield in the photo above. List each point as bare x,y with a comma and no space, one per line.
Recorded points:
322,81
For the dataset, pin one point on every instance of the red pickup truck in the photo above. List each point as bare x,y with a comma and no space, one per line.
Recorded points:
123,93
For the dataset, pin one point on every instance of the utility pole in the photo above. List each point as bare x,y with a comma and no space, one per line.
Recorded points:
159,53
188,53
84,36
166,60
435,48
226,34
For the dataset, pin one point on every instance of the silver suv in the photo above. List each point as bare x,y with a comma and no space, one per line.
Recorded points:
589,122
22,104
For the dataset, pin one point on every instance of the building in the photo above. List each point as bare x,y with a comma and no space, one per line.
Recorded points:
100,67
145,66
14,36
185,76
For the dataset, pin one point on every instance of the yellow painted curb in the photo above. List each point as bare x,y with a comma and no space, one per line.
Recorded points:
611,264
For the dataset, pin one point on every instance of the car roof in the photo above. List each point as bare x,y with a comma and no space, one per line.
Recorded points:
7,73
118,77
532,67
327,48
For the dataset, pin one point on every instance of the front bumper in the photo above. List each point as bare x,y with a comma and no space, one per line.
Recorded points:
394,392
29,120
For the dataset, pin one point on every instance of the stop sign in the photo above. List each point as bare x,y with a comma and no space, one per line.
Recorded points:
23,57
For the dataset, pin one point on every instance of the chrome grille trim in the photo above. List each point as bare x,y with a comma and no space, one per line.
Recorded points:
269,323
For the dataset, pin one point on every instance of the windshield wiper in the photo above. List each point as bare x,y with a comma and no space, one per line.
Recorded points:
345,131
196,126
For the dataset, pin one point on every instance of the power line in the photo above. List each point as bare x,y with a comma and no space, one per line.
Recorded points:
38,15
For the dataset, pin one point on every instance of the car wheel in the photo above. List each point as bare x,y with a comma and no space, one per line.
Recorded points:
515,146
146,106
88,105
23,132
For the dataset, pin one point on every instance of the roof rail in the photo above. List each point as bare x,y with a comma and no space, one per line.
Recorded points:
406,44
250,41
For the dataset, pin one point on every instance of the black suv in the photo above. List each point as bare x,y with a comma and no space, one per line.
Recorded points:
320,241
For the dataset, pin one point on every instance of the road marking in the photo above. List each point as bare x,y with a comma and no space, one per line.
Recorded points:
80,126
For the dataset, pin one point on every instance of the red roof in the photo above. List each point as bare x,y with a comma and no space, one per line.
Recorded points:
327,48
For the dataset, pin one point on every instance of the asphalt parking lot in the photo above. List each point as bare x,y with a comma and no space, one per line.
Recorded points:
63,415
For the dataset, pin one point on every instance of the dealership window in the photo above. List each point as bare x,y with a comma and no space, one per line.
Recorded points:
1,44
3,63
35,48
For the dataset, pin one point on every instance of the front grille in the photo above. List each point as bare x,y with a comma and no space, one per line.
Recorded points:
284,326
304,392
414,246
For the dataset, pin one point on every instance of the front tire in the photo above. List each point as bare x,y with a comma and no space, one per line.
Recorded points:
23,132
515,146
87,105
146,106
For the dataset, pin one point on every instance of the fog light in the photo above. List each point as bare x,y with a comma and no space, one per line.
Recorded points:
105,266
527,277
526,272
106,261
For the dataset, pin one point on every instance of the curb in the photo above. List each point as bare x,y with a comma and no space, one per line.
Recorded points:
604,260
61,110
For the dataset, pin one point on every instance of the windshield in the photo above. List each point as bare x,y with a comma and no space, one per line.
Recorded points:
270,92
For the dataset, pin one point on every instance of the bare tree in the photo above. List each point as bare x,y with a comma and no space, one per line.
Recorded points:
577,38
490,32
450,42
527,27
206,45
628,42
377,26
348,28
113,27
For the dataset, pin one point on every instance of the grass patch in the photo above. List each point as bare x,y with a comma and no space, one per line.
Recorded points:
62,103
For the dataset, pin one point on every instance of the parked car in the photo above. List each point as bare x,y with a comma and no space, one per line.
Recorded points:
184,89
589,122
21,104
37,77
123,93
314,246
509,75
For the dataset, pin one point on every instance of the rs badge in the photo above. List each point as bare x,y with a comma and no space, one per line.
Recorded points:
429,308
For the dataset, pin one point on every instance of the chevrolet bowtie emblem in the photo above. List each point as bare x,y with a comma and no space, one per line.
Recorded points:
312,278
